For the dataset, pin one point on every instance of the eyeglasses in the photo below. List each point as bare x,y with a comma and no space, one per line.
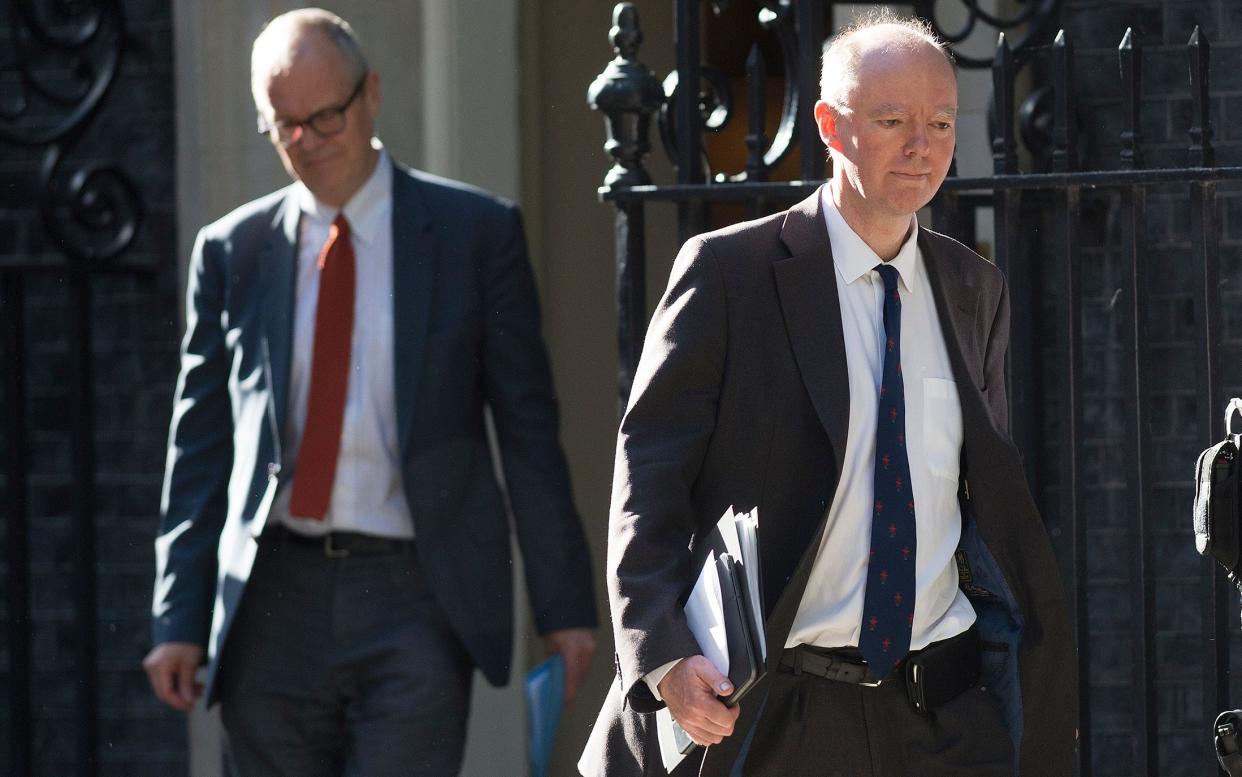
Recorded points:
325,123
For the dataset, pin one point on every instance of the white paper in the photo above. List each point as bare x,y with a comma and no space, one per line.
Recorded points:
668,747
705,616
727,526
748,538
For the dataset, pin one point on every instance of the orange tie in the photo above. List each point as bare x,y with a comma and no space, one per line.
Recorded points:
325,411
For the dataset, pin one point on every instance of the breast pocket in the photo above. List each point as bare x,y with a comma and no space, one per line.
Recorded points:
942,427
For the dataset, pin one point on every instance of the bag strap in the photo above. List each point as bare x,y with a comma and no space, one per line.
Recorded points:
1235,406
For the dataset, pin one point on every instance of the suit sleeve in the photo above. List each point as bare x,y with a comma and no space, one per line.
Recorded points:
518,386
660,450
200,455
994,361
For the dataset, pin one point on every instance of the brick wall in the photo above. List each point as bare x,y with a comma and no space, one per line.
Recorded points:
134,330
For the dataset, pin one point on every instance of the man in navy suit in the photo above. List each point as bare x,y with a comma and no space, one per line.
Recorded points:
841,367
333,541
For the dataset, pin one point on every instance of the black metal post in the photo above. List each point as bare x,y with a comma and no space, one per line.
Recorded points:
946,216
810,26
756,140
17,521
1008,253
946,211
628,93
84,528
691,214
1204,232
1133,232
631,294
1069,336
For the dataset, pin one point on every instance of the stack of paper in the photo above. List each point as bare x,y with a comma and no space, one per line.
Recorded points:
725,613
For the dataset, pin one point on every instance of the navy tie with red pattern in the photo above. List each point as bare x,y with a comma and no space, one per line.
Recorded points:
888,607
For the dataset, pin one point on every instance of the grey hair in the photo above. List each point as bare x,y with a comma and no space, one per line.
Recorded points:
844,51
281,40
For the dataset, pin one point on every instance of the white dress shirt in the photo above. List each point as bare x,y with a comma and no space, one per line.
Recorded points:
367,495
830,614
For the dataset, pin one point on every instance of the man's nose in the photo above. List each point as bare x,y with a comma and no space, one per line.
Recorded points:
918,143
305,138
296,135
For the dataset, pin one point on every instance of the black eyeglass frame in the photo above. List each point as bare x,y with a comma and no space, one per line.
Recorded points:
284,128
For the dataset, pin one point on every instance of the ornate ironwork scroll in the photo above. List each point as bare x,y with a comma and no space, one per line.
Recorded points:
797,26
716,94
1038,17
716,97
62,59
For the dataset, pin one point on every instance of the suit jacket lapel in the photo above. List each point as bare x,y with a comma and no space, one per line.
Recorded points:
806,283
413,263
957,304
278,270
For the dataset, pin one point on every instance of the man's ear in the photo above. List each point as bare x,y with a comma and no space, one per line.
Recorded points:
371,93
826,121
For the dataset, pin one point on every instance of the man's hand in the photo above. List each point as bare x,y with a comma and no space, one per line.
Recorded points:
690,689
576,646
170,668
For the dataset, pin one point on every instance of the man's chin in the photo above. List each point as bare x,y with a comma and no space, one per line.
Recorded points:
908,204
311,177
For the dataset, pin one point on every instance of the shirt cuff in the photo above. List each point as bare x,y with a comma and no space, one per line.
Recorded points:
654,677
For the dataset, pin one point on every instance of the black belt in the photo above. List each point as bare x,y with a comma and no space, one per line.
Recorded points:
338,544
933,676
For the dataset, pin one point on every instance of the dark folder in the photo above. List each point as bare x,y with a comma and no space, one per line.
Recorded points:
732,547
741,629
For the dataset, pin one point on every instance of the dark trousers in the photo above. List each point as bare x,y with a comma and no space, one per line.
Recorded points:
812,727
342,667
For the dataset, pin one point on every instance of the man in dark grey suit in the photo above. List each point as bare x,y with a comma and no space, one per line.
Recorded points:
333,540
841,368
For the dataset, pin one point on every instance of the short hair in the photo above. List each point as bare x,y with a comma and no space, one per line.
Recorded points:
274,50
844,50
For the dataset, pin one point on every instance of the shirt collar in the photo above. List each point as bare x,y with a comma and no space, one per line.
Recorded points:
366,210
854,258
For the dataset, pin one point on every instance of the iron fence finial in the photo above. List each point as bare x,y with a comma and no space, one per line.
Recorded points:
626,88
1004,147
1198,51
1129,55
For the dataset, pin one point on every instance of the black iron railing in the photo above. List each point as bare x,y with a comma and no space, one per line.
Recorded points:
63,59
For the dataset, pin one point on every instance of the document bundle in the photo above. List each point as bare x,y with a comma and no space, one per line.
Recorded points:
725,613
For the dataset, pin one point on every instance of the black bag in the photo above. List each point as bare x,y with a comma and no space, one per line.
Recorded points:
1218,497
1227,732
1218,527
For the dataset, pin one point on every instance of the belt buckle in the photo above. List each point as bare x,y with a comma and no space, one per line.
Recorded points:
875,684
330,550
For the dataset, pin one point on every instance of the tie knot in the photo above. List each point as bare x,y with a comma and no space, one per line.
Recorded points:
340,226
889,274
